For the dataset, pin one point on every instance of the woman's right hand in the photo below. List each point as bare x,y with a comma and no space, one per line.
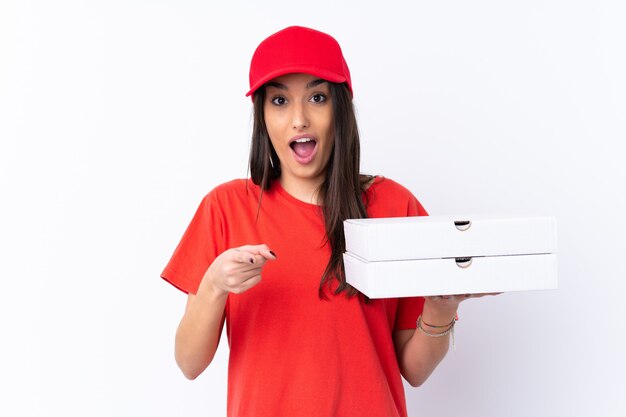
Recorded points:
236,270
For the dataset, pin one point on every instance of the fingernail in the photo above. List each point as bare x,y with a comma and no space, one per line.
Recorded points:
273,254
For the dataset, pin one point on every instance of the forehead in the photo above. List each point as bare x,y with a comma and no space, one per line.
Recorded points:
297,81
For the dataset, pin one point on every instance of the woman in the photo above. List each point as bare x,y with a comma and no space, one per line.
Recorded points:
264,256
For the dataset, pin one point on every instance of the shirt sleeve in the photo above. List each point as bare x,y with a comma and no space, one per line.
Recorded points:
411,307
198,248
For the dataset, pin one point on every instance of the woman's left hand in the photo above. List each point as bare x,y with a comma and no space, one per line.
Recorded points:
440,308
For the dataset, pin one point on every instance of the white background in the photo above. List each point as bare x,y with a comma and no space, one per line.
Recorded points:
116,117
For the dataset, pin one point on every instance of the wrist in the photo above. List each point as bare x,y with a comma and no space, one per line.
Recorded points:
438,316
442,330
211,292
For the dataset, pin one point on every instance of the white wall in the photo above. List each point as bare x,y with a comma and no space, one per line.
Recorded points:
116,118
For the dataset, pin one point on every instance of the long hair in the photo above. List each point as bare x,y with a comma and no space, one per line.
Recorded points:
343,186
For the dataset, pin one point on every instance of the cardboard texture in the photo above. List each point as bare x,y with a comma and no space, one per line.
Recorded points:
422,256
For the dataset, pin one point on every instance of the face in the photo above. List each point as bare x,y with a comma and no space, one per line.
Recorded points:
298,113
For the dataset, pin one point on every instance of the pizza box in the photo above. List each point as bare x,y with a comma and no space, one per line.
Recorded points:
441,255
434,237
447,276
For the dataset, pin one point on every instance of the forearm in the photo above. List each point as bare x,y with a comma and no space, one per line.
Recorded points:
235,270
421,353
199,330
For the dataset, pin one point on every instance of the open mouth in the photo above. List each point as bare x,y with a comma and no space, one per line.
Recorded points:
303,148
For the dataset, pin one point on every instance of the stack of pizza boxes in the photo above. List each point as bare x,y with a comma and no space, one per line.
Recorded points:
443,255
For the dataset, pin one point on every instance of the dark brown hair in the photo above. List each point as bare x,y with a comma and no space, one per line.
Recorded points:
342,189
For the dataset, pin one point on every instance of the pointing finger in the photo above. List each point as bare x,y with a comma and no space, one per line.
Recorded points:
264,251
244,257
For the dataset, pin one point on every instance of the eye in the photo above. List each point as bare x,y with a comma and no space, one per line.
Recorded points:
318,98
279,100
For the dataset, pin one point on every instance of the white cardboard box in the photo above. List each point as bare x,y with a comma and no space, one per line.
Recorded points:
421,256
385,279
429,237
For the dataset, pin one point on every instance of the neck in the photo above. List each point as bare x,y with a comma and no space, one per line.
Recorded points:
303,190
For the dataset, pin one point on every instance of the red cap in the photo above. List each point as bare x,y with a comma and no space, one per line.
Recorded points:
298,49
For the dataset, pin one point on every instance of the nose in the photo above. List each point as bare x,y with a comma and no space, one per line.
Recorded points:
300,118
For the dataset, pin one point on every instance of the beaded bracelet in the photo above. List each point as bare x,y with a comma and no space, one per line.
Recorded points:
448,331
440,327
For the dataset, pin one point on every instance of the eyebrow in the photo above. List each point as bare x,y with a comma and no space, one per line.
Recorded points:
309,85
